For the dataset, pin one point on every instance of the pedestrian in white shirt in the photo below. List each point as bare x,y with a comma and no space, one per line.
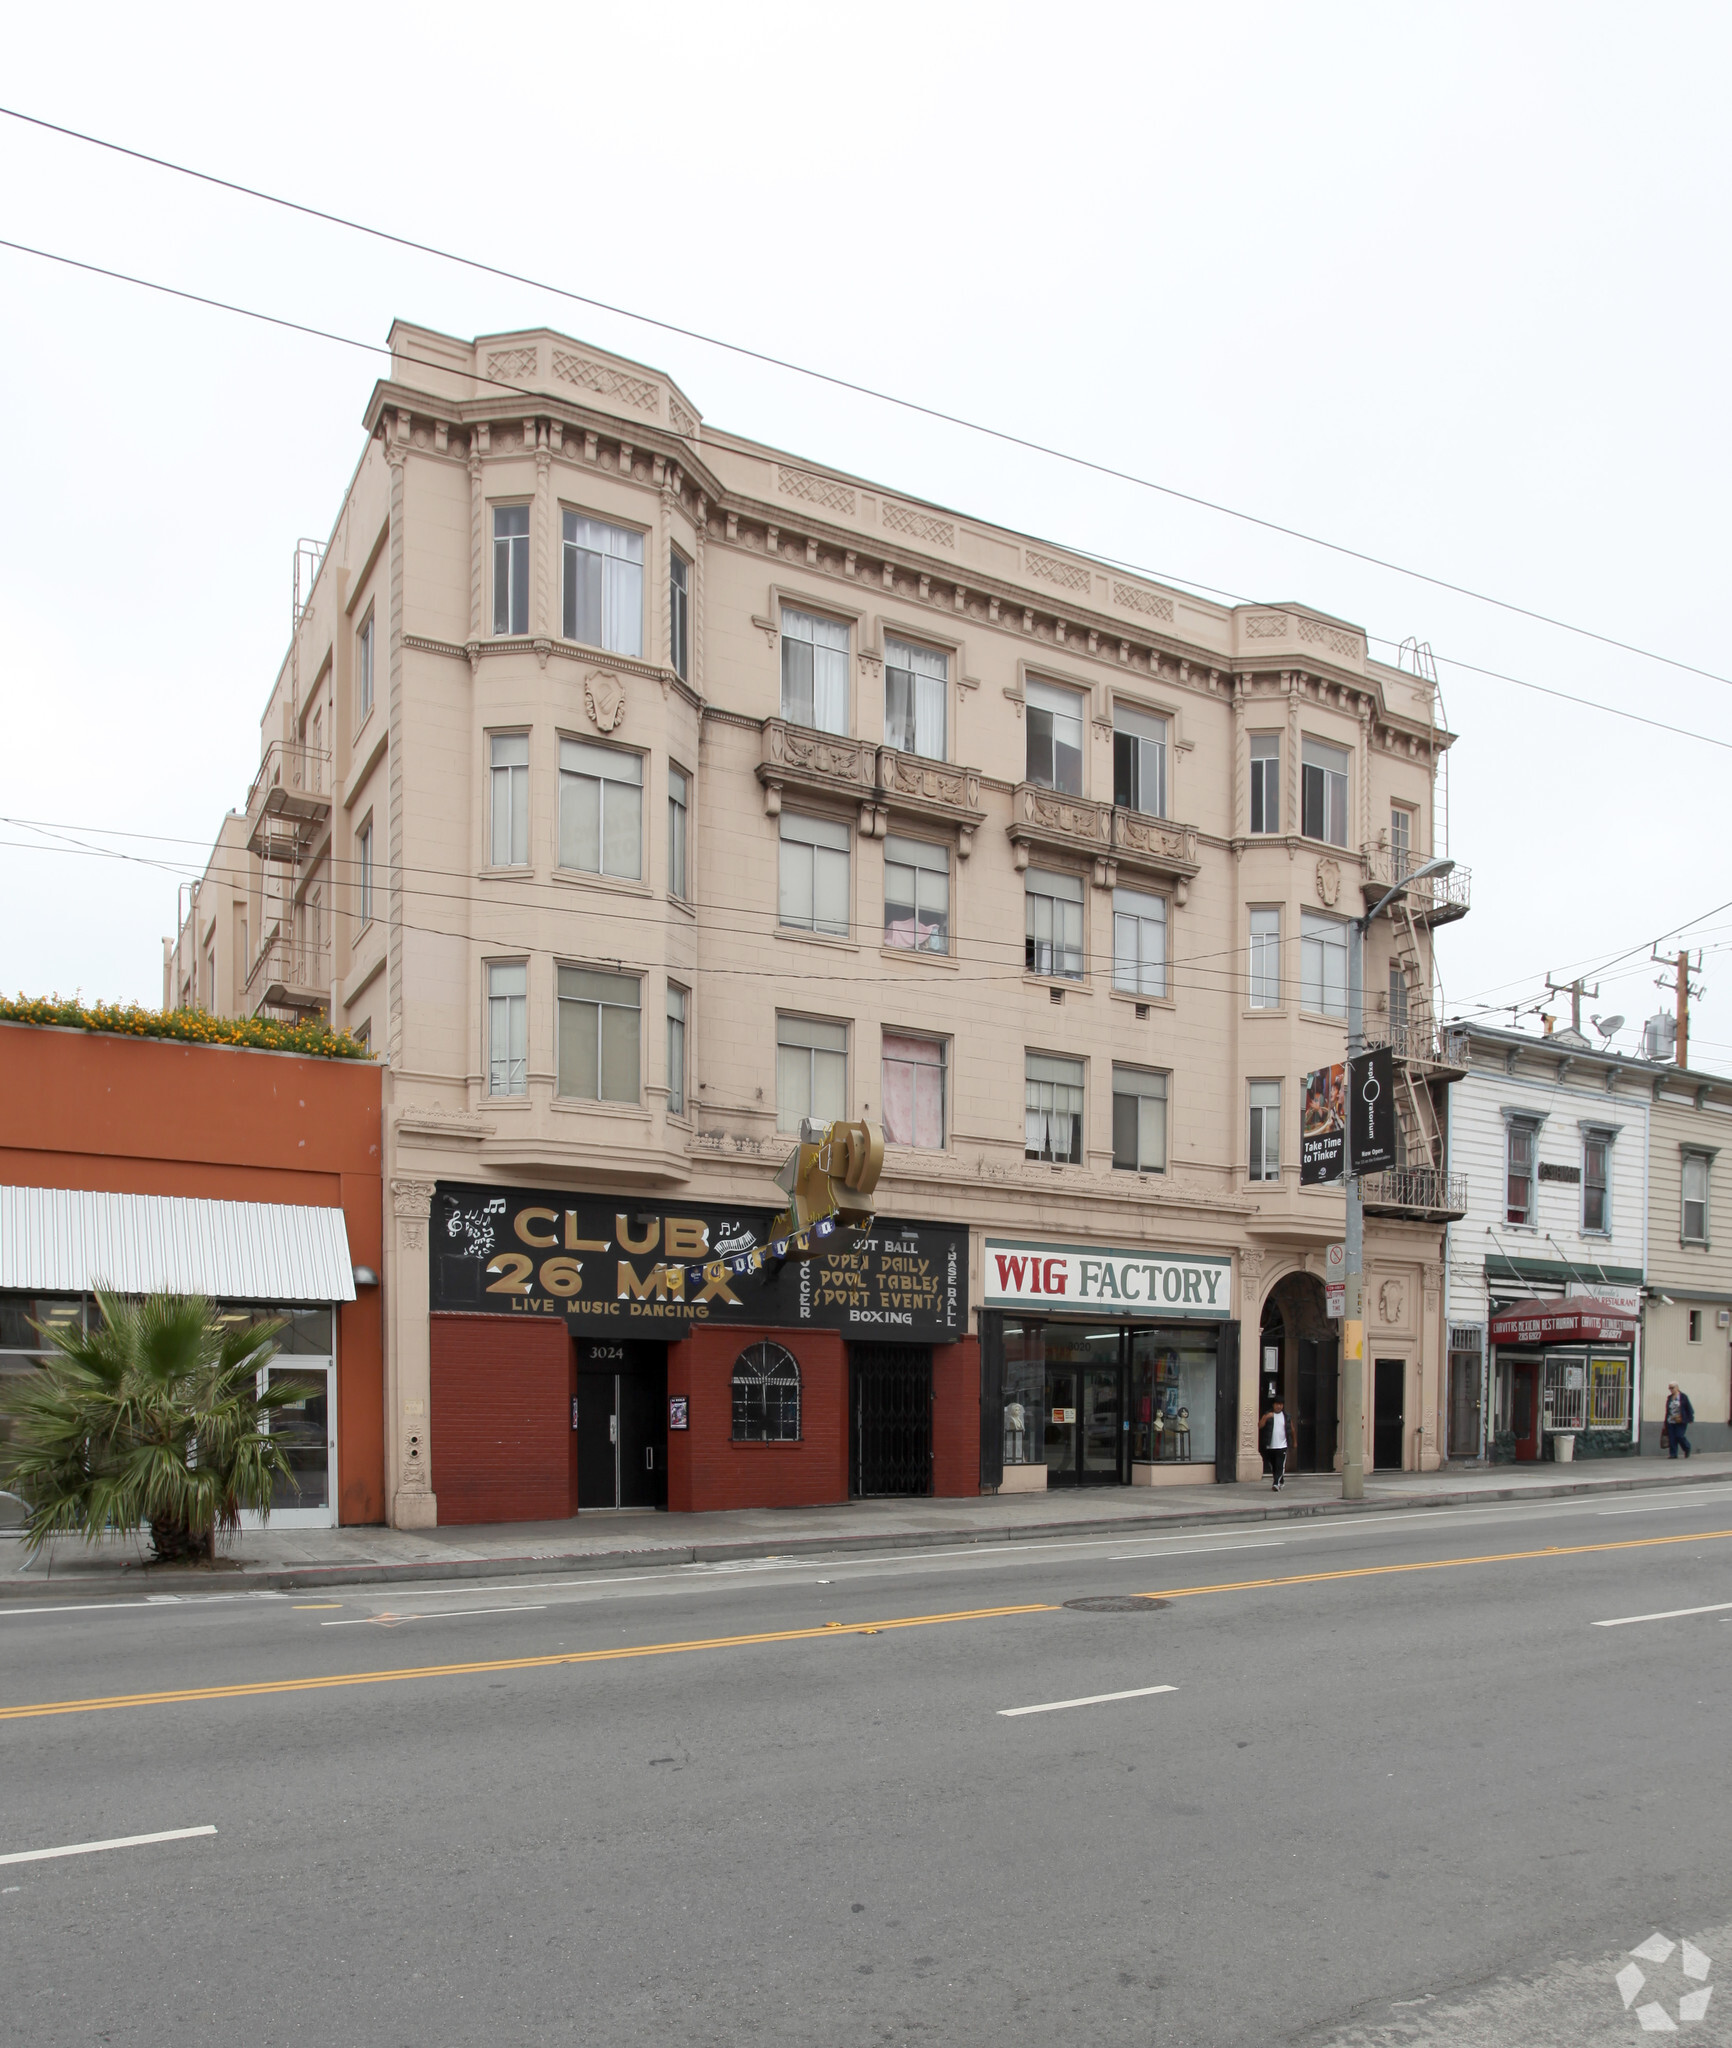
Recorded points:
1272,1432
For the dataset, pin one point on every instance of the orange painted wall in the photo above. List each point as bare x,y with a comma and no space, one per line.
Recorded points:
81,1109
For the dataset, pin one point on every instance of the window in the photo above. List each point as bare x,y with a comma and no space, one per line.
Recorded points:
603,585
813,895
1265,1163
916,688
1566,1393
1520,1136
1322,964
916,896
510,758
1055,737
814,671
1695,1204
364,872
766,1396
679,798
1400,842
1596,1182
598,1035
914,1091
680,614
1695,1326
811,1072
600,809
677,999
1265,959
511,568
1053,1097
1397,1005
364,668
1139,1120
1265,782
1139,761
507,1028
1608,1393
1054,924
363,1033
1324,792
210,1001
1139,943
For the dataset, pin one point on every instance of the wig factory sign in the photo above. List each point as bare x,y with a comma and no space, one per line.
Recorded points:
619,1266
1161,1286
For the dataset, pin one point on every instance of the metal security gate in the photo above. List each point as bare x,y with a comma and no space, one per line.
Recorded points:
890,1419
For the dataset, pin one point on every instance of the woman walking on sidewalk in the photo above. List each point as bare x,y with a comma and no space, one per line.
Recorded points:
1272,1433
1679,1416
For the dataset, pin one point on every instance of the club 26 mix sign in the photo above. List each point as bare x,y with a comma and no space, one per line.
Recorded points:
1162,1286
617,1266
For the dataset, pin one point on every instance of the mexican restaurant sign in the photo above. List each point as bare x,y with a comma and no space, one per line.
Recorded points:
1162,1286
1584,1319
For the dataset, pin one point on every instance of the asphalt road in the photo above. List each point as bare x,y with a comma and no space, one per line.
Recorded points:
1397,1786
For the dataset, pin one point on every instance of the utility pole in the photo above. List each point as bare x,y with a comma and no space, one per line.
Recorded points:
1353,1311
1683,965
1575,990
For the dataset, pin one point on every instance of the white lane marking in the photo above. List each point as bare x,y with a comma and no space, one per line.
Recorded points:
1204,1550
95,1848
1095,1699
436,1614
149,1603
1668,1614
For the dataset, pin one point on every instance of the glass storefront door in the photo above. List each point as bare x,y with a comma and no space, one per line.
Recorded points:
304,1429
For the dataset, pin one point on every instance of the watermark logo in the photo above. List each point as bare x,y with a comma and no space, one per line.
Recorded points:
1654,2015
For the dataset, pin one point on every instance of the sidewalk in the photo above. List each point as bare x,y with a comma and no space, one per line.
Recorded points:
280,1559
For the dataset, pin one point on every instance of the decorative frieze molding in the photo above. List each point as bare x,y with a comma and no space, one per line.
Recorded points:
1153,604
816,490
605,381
918,525
1111,837
877,779
1049,569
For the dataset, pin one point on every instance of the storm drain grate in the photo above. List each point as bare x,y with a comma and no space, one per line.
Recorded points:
1116,1603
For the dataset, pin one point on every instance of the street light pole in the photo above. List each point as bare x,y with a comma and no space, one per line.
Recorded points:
1352,1306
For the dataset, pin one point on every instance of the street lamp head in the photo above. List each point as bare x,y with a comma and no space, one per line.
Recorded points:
1439,864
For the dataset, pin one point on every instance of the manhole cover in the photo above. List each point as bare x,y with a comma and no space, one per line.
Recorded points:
1116,1603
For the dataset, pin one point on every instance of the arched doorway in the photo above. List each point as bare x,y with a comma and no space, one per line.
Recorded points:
1300,1359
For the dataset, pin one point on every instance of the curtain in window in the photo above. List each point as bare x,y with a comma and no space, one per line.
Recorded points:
1055,736
1139,1120
915,680
814,671
1054,1108
1054,925
603,585
916,896
913,1091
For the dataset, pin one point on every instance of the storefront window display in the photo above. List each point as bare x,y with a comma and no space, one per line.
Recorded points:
1089,1401
1173,1396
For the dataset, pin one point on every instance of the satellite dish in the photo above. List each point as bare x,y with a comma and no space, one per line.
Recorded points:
1607,1027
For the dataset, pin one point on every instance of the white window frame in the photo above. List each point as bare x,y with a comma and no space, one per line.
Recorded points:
507,986
364,875
1518,1125
1265,817
1323,944
926,864
829,643
1329,784
584,763
1054,1085
812,854
1069,897
679,1002
619,552
916,1068
1142,760
596,989
1604,1137
508,800
679,832
511,572
1263,1117
923,727
1050,702
1142,1085
1264,983
804,1088
1703,1158
1140,943
364,649
679,614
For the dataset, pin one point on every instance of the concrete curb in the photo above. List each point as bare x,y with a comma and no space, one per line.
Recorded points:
315,1577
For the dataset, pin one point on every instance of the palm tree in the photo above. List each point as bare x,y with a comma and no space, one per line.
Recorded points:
155,1415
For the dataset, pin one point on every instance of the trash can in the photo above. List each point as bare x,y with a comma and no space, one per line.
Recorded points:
1564,1447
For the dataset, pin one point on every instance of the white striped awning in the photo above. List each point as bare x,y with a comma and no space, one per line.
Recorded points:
65,1241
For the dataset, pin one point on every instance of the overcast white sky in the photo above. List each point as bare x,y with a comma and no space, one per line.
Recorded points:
1445,284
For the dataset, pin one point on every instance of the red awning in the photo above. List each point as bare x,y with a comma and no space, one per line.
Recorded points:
1582,1319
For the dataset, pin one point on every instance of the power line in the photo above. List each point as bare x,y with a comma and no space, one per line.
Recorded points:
380,349
840,383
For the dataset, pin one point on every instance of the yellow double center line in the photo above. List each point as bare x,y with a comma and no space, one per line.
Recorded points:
829,1632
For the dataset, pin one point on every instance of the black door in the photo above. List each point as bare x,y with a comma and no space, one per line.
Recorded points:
597,1440
890,1419
1389,1400
643,1438
1314,1433
1227,1405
